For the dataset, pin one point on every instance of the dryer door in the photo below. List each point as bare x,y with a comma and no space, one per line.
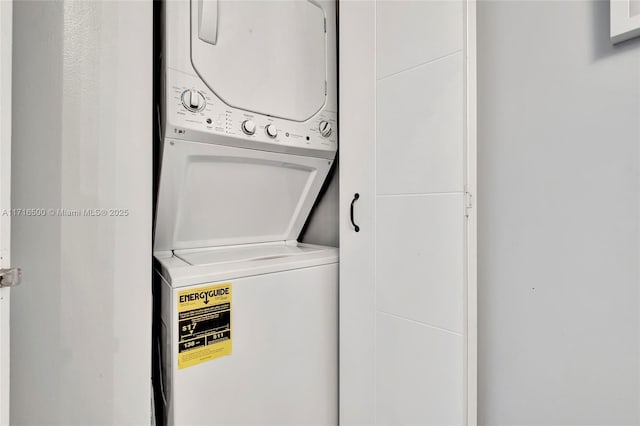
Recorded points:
267,57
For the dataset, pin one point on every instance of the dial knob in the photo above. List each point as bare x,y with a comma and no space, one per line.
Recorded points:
193,100
271,130
325,128
249,127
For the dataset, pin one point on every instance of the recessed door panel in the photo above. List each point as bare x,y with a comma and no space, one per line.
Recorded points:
267,57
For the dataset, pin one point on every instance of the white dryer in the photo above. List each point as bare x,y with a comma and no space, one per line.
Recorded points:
256,71
248,122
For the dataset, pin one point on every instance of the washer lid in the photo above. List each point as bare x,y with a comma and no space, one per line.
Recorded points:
247,253
189,267
213,195
266,56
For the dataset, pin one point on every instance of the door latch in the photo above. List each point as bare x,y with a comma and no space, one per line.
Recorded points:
10,277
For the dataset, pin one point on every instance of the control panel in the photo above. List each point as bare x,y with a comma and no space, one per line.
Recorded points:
194,112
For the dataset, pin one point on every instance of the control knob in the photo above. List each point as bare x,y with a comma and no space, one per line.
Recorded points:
271,130
325,128
249,127
193,100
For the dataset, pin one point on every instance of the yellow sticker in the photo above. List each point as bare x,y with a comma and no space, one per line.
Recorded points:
204,324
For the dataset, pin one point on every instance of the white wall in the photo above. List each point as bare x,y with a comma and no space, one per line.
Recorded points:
559,216
82,117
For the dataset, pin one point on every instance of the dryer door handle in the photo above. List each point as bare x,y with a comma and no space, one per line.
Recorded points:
208,21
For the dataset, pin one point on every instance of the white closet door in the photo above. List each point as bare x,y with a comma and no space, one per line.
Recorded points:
6,49
407,148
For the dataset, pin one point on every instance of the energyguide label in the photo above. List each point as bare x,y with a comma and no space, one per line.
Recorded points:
204,324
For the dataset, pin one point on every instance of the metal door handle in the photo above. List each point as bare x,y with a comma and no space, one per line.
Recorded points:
10,277
355,197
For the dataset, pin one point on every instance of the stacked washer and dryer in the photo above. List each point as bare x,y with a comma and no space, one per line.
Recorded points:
249,315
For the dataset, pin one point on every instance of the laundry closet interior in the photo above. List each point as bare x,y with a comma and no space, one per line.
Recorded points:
290,287
298,228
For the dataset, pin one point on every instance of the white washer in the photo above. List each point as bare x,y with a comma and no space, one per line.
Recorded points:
248,126
282,369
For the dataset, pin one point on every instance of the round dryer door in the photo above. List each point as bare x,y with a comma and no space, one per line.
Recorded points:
266,56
